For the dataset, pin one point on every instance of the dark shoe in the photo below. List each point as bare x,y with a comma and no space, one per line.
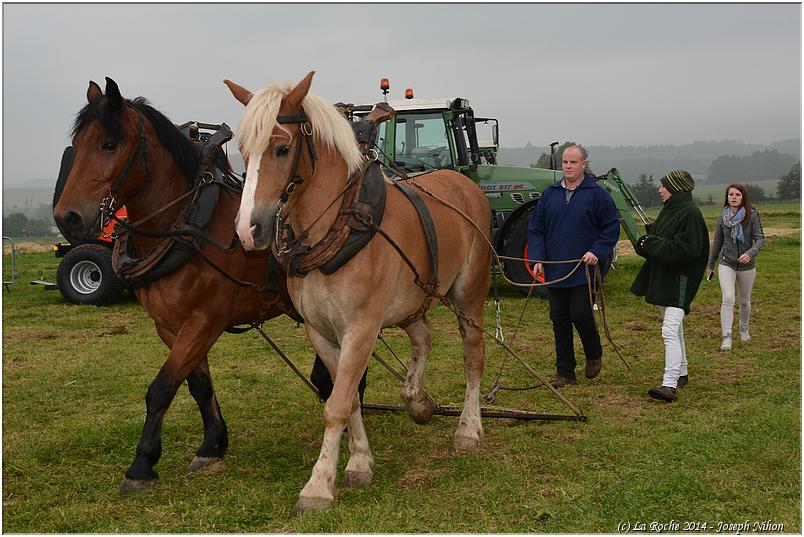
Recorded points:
593,367
665,393
559,382
682,381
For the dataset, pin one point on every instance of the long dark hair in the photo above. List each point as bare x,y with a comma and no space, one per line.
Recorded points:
745,204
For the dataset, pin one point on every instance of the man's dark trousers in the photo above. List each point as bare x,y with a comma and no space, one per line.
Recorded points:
570,306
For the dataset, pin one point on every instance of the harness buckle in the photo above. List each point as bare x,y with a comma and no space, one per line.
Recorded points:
207,178
372,155
277,230
106,210
306,128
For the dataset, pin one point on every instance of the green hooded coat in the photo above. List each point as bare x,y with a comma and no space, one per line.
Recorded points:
675,251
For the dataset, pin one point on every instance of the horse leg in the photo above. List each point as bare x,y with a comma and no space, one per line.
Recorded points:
216,436
188,350
468,294
418,404
346,365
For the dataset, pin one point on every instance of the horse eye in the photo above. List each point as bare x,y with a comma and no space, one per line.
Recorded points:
108,147
282,150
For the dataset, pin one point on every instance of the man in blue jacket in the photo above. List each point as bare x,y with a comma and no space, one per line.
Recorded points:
574,219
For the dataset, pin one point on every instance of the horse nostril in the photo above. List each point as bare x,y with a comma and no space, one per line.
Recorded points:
73,219
256,232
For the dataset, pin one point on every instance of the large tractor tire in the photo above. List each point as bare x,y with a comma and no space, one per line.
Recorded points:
515,244
85,276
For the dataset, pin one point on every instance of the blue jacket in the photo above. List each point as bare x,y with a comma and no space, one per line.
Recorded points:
560,230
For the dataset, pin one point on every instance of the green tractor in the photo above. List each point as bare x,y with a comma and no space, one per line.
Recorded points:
429,134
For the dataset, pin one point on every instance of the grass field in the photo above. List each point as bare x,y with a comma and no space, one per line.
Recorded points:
74,381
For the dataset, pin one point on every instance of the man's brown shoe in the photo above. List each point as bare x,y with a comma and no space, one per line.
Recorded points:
559,382
665,393
593,367
683,381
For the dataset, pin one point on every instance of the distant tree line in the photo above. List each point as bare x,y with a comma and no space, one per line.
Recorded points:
788,188
18,225
41,211
755,167
760,165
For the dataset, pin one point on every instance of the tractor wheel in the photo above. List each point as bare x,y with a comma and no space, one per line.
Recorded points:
515,244
85,276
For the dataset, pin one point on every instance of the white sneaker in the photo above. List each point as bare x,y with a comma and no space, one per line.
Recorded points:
726,345
744,335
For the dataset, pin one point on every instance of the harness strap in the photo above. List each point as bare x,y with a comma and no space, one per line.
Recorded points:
429,231
186,232
306,130
140,147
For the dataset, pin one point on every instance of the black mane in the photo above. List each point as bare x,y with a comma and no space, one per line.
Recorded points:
174,141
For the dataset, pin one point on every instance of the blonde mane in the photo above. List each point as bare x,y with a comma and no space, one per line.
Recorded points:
329,126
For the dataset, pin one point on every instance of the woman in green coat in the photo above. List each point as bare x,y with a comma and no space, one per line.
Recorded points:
675,251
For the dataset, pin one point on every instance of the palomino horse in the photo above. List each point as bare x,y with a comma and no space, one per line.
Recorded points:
300,153
131,152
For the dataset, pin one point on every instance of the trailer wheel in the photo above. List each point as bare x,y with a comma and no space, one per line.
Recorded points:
85,276
515,244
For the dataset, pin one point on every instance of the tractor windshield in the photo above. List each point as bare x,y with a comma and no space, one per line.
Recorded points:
421,142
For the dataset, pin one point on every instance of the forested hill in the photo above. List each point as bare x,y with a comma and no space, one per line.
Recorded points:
696,157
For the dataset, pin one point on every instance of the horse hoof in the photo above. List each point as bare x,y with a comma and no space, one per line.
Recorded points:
462,443
136,485
421,409
199,464
353,479
310,504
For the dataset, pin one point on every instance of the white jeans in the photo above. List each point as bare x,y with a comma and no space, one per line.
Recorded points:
675,351
745,281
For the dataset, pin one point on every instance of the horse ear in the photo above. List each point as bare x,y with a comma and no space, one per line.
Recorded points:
113,94
294,99
93,92
240,93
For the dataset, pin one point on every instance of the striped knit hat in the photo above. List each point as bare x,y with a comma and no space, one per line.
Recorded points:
678,181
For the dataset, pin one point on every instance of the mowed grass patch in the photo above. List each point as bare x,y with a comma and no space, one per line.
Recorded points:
74,382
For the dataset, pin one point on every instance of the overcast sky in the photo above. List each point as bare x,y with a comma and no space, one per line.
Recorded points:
599,74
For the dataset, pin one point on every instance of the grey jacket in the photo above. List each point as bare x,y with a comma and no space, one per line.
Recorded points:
728,250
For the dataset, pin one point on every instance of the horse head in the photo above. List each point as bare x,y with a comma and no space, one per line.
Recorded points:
288,138
119,145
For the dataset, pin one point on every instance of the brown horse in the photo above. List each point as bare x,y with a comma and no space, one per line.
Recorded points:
128,153
300,153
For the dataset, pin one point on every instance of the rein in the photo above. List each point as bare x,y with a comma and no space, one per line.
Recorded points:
594,283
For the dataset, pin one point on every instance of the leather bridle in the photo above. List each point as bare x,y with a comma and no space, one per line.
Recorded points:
294,179
107,204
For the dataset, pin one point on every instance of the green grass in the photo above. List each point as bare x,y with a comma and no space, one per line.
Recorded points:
74,381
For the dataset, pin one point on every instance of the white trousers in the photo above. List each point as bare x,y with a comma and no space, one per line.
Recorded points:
675,351
745,281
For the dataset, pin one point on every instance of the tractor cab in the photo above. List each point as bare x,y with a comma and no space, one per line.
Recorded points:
430,134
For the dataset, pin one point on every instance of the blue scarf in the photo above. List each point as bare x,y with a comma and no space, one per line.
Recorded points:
734,223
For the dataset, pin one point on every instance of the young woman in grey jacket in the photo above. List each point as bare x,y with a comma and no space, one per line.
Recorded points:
738,240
